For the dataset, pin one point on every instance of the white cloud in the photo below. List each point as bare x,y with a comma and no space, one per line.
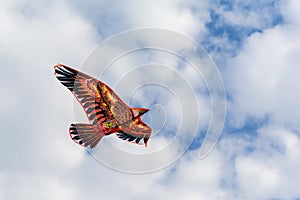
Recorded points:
37,148
290,9
174,15
270,170
267,75
20,186
168,14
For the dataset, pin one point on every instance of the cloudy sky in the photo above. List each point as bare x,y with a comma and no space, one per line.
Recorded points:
255,46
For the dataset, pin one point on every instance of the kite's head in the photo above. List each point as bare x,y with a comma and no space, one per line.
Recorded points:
137,112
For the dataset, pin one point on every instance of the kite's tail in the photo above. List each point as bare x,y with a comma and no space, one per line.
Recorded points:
86,135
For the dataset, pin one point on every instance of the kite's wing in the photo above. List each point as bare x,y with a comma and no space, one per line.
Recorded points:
135,131
99,101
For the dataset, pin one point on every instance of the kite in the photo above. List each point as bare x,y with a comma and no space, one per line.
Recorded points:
105,110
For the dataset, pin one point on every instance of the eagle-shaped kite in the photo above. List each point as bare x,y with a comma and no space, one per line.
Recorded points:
105,110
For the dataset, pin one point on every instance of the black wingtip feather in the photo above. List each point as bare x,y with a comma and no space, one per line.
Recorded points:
65,73
129,138
146,140
66,76
76,137
138,140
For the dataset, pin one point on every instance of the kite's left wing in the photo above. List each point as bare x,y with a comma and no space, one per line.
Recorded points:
97,99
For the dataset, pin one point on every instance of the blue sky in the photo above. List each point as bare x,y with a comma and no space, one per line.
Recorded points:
255,45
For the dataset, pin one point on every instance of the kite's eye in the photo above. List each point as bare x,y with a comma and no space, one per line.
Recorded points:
110,124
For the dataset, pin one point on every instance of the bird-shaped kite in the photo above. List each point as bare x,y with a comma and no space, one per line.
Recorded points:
106,111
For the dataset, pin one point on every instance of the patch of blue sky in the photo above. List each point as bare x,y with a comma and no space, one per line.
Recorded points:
235,34
169,131
227,4
249,130
198,140
250,125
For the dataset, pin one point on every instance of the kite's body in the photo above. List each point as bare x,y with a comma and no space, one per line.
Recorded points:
105,110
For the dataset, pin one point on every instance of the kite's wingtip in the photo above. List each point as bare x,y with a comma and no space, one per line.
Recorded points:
146,140
56,66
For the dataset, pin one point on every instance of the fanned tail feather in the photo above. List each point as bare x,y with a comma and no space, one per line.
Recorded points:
86,135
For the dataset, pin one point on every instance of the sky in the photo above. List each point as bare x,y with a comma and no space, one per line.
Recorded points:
255,48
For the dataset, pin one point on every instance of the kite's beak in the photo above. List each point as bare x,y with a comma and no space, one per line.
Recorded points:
143,110
138,112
